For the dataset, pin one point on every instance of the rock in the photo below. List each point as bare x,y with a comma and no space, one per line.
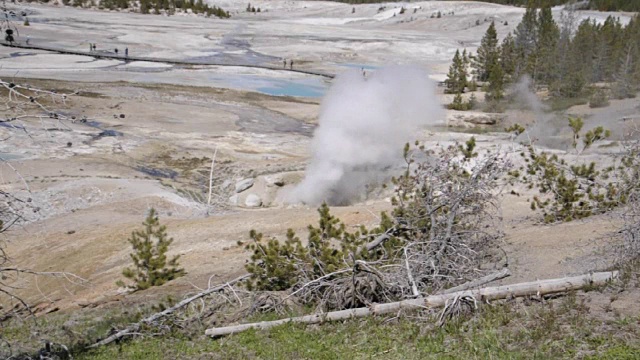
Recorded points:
274,180
243,185
233,200
253,200
469,119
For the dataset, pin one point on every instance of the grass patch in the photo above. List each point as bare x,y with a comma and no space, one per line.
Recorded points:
558,329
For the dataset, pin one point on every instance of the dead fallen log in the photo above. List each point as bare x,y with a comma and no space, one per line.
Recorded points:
479,282
148,320
541,287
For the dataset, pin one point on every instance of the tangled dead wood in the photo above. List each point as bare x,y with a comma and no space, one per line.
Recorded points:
155,317
541,287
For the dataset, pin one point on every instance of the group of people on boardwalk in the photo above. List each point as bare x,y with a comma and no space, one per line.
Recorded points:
92,47
284,64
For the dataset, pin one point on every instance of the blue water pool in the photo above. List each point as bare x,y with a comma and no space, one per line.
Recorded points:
292,88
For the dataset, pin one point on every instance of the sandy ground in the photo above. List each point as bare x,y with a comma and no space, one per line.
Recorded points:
168,122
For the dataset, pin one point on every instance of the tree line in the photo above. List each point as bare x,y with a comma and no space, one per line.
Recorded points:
602,5
561,57
615,5
151,6
536,3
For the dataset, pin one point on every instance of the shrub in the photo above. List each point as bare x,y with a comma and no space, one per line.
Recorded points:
461,105
599,99
150,265
570,191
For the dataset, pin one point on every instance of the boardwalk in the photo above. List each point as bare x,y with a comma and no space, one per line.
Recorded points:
106,55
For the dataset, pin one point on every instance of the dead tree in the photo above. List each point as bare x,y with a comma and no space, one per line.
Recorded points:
447,205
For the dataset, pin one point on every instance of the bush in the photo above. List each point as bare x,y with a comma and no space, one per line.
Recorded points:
570,191
277,266
599,99
150,265
461,105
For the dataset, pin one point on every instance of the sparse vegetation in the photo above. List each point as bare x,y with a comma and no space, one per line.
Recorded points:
571,189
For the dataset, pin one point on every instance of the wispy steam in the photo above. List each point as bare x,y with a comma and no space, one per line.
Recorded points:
545,128
364,124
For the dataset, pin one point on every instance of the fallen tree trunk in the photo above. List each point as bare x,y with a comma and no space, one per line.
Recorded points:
541,287
479,282
134,327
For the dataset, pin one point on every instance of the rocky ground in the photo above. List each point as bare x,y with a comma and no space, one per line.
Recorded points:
154,130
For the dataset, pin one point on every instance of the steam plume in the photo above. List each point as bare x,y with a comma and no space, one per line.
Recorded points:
364,124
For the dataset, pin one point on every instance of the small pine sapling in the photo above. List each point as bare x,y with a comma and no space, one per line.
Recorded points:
150,264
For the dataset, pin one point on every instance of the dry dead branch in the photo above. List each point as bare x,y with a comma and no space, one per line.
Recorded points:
480,281
541,287
213,162
155,317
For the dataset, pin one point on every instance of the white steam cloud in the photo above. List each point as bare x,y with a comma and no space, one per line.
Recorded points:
364,124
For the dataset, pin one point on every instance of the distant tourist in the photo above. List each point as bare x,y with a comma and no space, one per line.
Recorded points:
90,47
116,51
284,63
126,52
28,38
291,65
94,47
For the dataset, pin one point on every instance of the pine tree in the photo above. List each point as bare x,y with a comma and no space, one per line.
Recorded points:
623,87
150,265
564,66
546,46
495,87
488,53
526,37
456,78
458,103
463,71
613,38
508,57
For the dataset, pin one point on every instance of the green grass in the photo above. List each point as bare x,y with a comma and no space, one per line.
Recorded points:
564,328
555,330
